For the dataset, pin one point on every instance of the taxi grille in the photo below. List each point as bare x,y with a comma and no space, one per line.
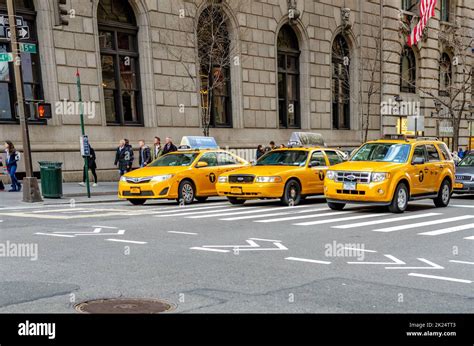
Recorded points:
138,180
242,178
463,177
351,192
356,177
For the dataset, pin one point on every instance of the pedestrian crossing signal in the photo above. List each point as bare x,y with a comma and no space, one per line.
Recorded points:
43,111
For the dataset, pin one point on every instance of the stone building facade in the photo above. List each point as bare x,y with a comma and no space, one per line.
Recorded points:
140,77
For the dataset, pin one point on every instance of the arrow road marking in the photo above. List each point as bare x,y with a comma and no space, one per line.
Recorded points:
431,265
393,258
252,246
96,231
441,278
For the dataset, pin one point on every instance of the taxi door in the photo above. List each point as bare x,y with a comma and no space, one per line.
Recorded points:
207,176
435,167
316,172
419,171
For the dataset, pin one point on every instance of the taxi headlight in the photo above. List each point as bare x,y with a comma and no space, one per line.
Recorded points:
378,177
122,178
160,178
224,179
331,175
268,180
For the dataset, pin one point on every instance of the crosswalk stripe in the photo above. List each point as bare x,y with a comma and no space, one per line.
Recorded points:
445,278
394,219
422,224
181,209
470,238
272,214
449,230
320,222
243,211
202,212
333,213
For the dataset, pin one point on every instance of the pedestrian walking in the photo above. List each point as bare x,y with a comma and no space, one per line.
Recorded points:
169,146
13,156
130,154
260,151
144,157
91,162
2,187
122,157
157,149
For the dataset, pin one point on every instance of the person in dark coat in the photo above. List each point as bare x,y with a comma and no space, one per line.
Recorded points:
12,162
91,161
2,187
169,146
144,157
260,151
122,157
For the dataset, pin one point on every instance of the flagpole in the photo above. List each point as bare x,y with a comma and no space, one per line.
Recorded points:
81,107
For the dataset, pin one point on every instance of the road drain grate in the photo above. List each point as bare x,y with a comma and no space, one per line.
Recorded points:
124,306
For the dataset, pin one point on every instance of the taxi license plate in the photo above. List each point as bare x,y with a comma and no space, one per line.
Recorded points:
458,185
349,186
236,190
135,190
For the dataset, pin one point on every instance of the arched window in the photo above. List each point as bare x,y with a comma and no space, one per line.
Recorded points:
214,49
119,60
288,78
407,71
341,84
30,63
445,74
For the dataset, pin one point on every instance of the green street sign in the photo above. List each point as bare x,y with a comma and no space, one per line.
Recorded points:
28,48
6,57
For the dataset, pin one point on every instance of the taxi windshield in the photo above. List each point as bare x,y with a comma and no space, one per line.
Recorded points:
174,160
283,158
468,161
383,152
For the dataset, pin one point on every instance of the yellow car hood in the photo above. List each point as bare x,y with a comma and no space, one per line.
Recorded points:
151,171
264,170
366,166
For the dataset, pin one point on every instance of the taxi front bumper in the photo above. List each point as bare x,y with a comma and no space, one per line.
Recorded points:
249,191
372,193
151,190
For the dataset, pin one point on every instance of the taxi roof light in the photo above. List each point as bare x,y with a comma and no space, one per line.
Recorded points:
306,139
198,143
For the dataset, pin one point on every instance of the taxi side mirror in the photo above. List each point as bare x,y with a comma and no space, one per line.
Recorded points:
202,164
314,164
418,161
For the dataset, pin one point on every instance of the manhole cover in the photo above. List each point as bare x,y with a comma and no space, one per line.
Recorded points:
124,306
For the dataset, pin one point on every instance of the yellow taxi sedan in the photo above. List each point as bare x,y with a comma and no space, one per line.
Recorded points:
290,174
183,175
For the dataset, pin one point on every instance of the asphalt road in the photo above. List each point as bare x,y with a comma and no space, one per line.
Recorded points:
259,257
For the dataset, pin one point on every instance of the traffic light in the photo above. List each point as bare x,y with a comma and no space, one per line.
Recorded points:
60,13
43,111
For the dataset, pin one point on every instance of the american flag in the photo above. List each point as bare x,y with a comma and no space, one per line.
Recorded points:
427,10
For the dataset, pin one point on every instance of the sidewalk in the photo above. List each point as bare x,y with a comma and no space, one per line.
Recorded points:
105,192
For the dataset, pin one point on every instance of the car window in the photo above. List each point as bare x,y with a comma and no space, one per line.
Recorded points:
419,152
284,158
210,158
333,157
382,152
318,157
226,159
468,161
444,151
433,154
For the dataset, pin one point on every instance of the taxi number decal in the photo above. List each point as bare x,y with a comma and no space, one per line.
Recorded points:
421,177
321,175
212,178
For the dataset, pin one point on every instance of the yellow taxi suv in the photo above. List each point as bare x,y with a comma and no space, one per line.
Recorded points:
184,175
391,172
289,174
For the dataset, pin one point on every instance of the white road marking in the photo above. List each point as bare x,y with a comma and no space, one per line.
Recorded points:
333,213
445,278
109,227
356,249
272,214
449,230
463,262
127,241
320,222
422,224
470,238
462,206
393,258
272,240
56,235
55,210
394,219
190,233
243,211
208,249
183,209
186,213
432,265
306,260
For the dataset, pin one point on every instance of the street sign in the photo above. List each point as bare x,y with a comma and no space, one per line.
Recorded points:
85,148
6,57
5,21
22,33
28,48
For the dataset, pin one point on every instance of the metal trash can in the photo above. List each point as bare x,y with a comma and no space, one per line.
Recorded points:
51,179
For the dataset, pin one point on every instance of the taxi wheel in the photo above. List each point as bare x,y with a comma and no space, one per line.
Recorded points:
186,192
336,206
234,200
137,201
201,199
444,195
400,199
292,193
